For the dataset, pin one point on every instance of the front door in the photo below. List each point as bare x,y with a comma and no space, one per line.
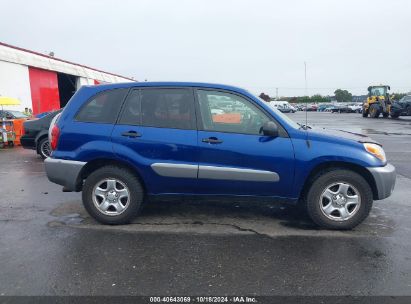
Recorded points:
156,133
234,157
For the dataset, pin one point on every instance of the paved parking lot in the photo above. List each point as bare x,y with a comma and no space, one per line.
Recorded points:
49,245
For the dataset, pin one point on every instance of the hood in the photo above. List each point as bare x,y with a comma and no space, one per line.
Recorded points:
342,134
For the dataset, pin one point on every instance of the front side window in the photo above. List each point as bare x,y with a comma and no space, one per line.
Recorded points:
103,108
167,108
226,112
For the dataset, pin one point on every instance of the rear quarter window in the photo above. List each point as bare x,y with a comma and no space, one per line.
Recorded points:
103,107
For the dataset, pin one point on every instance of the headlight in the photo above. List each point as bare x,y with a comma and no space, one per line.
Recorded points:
376,150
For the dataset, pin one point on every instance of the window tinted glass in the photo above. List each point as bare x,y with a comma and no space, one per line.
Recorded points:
132,109
225,112
168,108
103,108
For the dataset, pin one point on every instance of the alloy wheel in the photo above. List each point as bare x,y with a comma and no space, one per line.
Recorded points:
111,196
340,201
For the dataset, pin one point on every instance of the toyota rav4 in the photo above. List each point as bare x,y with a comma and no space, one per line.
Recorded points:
124,144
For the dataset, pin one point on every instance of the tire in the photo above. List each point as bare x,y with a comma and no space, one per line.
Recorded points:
385,115
364,113
374,111
395,115
124,180
409,110
318,205
43,148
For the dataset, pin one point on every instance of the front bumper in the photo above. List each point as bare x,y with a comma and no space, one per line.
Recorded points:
64,172
384,178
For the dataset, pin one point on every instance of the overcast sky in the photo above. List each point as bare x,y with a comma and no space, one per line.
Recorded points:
258,45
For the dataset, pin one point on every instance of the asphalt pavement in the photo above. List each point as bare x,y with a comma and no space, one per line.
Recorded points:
50,246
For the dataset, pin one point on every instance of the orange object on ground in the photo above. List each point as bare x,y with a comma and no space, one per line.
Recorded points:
228,118
18,129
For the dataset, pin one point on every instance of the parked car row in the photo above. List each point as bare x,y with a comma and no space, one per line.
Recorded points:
330,107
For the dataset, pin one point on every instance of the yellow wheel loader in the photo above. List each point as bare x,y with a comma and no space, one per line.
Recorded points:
378,102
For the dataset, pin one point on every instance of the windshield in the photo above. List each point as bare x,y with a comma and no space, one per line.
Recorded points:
282,115
17,114
378,91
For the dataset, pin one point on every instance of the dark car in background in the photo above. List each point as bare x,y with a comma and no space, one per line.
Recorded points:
36,134
341,109
401,107
9,114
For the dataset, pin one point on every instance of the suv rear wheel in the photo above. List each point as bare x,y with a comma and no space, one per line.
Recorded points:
112,195
339,199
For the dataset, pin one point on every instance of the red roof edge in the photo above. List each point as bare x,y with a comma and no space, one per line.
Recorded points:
65,61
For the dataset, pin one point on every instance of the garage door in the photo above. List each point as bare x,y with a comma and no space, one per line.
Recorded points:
44,90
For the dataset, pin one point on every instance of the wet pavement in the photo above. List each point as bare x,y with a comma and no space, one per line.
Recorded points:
50,246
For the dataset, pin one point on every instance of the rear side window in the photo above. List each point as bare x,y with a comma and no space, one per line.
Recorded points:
103,108
167,108
132,110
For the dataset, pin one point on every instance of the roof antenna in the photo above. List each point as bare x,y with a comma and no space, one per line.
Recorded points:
306,104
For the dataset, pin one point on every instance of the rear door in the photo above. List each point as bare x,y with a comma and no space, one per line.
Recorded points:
234,157
88,136
157,134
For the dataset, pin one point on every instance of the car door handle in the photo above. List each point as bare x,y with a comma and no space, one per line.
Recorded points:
131,134
212,140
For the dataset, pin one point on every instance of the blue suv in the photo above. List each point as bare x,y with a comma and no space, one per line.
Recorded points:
124,144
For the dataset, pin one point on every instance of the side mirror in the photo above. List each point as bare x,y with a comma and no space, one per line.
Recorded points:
270,129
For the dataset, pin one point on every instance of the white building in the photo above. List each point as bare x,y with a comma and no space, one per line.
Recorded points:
44,83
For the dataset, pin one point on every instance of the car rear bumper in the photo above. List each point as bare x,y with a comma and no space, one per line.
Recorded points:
384,178
28,142
64,172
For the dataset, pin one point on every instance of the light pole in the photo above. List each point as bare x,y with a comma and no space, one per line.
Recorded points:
305,77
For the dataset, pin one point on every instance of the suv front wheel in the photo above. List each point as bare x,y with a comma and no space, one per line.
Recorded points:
339,199
112,195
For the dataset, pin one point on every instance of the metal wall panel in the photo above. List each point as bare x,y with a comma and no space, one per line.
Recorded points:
14,82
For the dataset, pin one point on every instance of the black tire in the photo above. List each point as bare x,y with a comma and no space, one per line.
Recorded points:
134,187
364,113
321,183
42,149
385,115
395,115
374,111
409,110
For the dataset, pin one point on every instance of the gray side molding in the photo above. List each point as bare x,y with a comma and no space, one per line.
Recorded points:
228,173
175,170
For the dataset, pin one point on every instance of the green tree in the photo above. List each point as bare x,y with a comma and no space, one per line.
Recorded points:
319,98
343,95
398,96
265,97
